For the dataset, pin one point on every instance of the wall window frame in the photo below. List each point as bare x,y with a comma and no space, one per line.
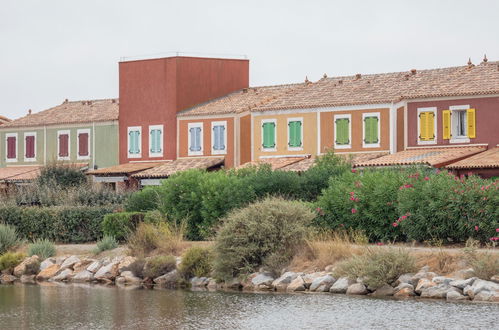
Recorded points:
290,120
454,110
26,158
7,136
139,142
218,151
369,115
59,133
191,152
343,146
155,153
89,139
263,122
435,127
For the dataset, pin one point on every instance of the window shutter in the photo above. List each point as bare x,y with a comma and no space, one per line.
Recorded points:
196,142
153,140
431,126
471,119
426,126
218,137
11,147
342,134
222,138
269,135
63,145
83,144
159,137
374,129
30,147
265,142
446,125
298,134
294,134
367,130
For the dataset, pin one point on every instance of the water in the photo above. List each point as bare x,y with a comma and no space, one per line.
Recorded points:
57,306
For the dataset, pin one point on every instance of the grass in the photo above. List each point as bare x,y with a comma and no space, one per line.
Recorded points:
43,248
161,238
9,239
159,265
105,244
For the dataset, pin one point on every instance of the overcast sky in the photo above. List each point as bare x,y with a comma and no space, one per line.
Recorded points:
56,49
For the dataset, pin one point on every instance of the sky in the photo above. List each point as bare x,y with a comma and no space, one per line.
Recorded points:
51,50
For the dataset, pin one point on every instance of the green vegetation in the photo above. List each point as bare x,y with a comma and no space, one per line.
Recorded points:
485,265
159,265
9,238
161,237
10,260
106,243
42,248
121,224
196,261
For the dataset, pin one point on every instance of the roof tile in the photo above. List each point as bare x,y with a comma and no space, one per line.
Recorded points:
486,159
182,164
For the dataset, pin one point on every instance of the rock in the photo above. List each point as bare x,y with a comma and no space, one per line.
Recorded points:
70,262
82,265
298,284
107,272
405,292
424,284
488,296
495,278
262,281
421,275
442,280
83,276
60,260
424,269
29,266
46,263
461,284
385,291
28,279
233,284
341,285
456,296
329,268
322,283
213,284
309,278
94,266
479,286
437,291
48,272
120,280
281,283
357,289
7,279
199,282
125,264
168,280
464,274
63,275
129,278
405,278
404,286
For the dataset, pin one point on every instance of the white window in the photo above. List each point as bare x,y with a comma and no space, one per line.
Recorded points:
343,131
30,147
83,144
269,140
11,147
134,142
427,125
195,139
219,138
63,145
295,134
459,124
371,130
156,141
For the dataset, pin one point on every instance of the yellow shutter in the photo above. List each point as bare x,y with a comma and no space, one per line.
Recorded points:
423,127
471,123
430,118
446,124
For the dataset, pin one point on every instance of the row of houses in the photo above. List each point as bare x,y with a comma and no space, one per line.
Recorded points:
178,112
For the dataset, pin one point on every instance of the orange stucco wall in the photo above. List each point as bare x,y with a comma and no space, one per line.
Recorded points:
309,138
327,130
400,129
183,141
245,139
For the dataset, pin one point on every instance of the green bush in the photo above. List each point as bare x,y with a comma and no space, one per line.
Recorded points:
154,217
106,243
144,200
121,224
10,260
377,267
253,236
9,238
62,175
159,265
196,261
42,248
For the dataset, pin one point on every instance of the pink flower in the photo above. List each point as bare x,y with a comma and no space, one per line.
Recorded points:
395,224
494,239
354,170
320,211
352,198
476,228
497,230
379,243
352,193
437,171
403,217
354,211
426,178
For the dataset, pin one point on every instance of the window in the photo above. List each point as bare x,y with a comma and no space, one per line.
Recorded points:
427,119
156,141
134,142
342,131
295,134
268,135
219,137
83,145
371,130
195,139
29,147
63,146
11,147
459,124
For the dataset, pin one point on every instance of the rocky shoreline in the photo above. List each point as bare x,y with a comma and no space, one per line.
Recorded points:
121,271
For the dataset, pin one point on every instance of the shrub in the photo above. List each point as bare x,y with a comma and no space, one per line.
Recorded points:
106,243
485,265
196,261
144,200
159,265
63,175
154,217
42,248
9,239
252,236
119,225
10,260
164,237
377,267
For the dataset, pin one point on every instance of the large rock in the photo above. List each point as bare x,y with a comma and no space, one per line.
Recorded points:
464,274
48,272
60,260
63,275
424,284
199,282
94,266
82,265
461,284
130,278
168,280
495,278
262,281
385,291
70,262
281,283
7,279
322,283
438,291
405,292
107,272
125,263
233,284
423,274
487,296
29,266
46,263
28,279
309,278
298,284
456,296
83,276
357,289
406,278
341,285
442,280
213,285
479,286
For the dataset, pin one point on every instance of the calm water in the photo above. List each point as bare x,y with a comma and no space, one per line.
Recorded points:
95,307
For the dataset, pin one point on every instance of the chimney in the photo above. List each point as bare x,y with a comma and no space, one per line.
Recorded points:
324,76
113,100
485,59
358,76
65,101
29,112
245,90
413,71
470,64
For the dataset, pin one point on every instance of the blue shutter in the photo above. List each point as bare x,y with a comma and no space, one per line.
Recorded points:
218,137
197,131
193,139
159,136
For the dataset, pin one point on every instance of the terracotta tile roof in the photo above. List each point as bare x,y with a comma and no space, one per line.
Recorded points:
242,100
71,112
26,173
300,166
436,157
4,120
171,167
391,87
124,169
276,163
356,158
486,159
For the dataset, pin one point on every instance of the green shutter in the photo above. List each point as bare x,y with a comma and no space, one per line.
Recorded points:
295,134
371,130
268,135
342,134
